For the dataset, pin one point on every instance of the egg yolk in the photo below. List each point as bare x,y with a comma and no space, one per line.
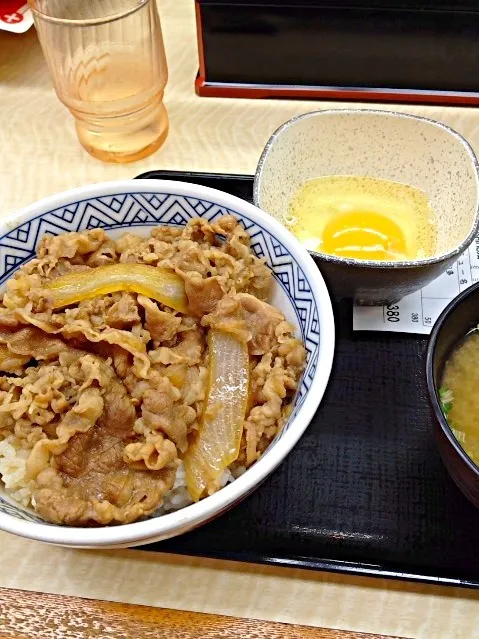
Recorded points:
362,217
365,235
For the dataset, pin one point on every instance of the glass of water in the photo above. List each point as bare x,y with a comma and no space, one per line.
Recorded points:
108,65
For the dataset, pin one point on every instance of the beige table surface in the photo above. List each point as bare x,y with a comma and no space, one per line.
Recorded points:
39,156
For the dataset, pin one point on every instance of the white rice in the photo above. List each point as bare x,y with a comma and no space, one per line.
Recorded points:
13,466
178,496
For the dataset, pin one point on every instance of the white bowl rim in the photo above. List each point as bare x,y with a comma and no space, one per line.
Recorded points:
174,523
404,264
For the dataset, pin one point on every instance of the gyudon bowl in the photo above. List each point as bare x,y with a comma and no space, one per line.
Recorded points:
114,345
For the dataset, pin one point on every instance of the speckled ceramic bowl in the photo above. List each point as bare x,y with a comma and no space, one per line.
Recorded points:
382,144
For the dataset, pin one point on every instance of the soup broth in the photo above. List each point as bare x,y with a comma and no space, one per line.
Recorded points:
460,396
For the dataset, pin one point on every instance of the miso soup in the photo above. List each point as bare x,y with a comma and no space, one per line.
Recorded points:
459,394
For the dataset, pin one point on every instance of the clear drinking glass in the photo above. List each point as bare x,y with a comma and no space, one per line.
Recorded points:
108,65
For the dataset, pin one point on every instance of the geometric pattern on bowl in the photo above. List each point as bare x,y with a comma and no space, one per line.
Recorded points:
150,209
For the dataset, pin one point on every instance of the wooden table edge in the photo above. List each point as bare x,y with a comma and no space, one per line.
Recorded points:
25,614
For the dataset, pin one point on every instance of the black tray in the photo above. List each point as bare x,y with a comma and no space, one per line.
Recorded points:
364,491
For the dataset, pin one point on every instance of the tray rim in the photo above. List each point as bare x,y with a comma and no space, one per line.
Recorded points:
358,569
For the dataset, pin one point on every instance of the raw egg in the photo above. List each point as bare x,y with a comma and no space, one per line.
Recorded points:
363,218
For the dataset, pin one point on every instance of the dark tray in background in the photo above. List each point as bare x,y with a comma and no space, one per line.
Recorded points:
380,50
364,491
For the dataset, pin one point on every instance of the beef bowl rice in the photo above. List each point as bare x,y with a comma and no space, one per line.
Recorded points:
139,372
145,367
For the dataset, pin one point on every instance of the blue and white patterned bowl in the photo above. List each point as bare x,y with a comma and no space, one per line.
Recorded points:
299,291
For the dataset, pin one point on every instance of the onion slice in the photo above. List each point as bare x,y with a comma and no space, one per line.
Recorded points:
218,441
160,284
